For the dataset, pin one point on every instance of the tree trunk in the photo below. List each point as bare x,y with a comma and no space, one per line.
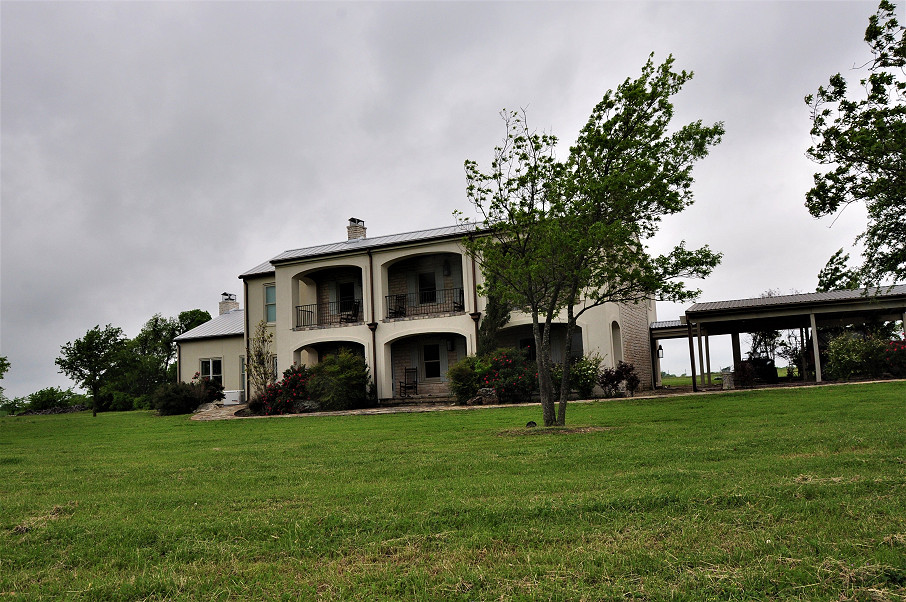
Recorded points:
567,365
542,361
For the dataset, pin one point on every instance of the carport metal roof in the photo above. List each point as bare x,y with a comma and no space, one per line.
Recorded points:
783,312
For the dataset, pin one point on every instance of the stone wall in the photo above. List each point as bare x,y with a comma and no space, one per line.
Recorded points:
636,340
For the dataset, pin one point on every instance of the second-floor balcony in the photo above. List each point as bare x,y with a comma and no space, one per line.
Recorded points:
335,313
425,302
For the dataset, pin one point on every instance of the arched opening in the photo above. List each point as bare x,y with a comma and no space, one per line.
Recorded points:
316,352
424,285
422,361
328,297
616,339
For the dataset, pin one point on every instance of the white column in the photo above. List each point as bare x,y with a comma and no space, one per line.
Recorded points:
815,348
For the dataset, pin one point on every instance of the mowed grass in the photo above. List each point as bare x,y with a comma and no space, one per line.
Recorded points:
760,495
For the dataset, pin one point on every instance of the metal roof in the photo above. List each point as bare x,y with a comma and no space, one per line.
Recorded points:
359,244
801,299
261,269
667,324
229,324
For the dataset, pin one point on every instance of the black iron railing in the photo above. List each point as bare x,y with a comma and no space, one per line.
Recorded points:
425,302
335,313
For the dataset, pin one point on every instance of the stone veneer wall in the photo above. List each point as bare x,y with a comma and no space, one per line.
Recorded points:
401,355
636,340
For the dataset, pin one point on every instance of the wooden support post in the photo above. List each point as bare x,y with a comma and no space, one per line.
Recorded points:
701,356
707,359
692,356
815,348
737,354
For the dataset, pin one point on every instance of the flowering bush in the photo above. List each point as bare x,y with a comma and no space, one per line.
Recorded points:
895,357
509,373
285,397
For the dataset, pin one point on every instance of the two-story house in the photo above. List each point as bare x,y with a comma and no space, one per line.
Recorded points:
409,304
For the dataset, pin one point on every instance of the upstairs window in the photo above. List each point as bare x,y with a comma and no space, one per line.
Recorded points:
270,303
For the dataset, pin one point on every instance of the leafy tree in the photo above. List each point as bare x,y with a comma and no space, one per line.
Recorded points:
260,363
4,368
864,140
191,318
570,235
496,316
837,275
88,360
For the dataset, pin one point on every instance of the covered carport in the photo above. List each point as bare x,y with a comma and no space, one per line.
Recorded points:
806,312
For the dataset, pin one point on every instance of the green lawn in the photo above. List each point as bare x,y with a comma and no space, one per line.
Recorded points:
783,494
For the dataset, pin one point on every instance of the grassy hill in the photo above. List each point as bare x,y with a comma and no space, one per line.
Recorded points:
783,494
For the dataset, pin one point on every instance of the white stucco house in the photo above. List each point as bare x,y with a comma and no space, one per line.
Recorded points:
407,302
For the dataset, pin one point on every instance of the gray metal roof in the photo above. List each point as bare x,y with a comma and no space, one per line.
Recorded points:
805,298
261,269
667,324
229,324
359,244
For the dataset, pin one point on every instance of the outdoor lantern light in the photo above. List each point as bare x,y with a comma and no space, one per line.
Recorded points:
450,344
660,351
446,267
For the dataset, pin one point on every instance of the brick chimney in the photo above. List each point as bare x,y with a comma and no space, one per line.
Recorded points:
228,303
356,228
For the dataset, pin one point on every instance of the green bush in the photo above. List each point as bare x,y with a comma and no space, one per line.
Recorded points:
623,376
463,378
851,355
289,396
52,397
583,375
340,382
509,373
184,398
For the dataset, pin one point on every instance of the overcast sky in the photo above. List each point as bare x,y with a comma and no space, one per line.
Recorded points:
151,152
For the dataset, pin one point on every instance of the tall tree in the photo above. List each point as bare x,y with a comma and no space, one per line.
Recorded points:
261,359
88,360
863,141
569,236
837,275
4,368
191,318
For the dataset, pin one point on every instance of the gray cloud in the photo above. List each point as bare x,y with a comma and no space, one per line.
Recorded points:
153,151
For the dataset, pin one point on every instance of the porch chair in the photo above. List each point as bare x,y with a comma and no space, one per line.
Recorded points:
398,307
410,383
351,313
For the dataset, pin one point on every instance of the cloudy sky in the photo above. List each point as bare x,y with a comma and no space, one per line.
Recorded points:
152,151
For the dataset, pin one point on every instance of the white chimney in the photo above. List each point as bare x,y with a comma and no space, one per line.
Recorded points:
228,303
356,228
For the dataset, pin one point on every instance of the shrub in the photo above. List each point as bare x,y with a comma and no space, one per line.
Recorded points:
623,376
895,358
850,355
52,397
288,396
184,398
509,373
583,375
340,382
175,398
463,378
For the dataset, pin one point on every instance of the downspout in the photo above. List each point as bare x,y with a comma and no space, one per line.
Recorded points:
178,361
475,315
372,326
245,301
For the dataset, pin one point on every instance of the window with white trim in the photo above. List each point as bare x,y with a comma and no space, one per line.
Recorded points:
212,368
270,303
